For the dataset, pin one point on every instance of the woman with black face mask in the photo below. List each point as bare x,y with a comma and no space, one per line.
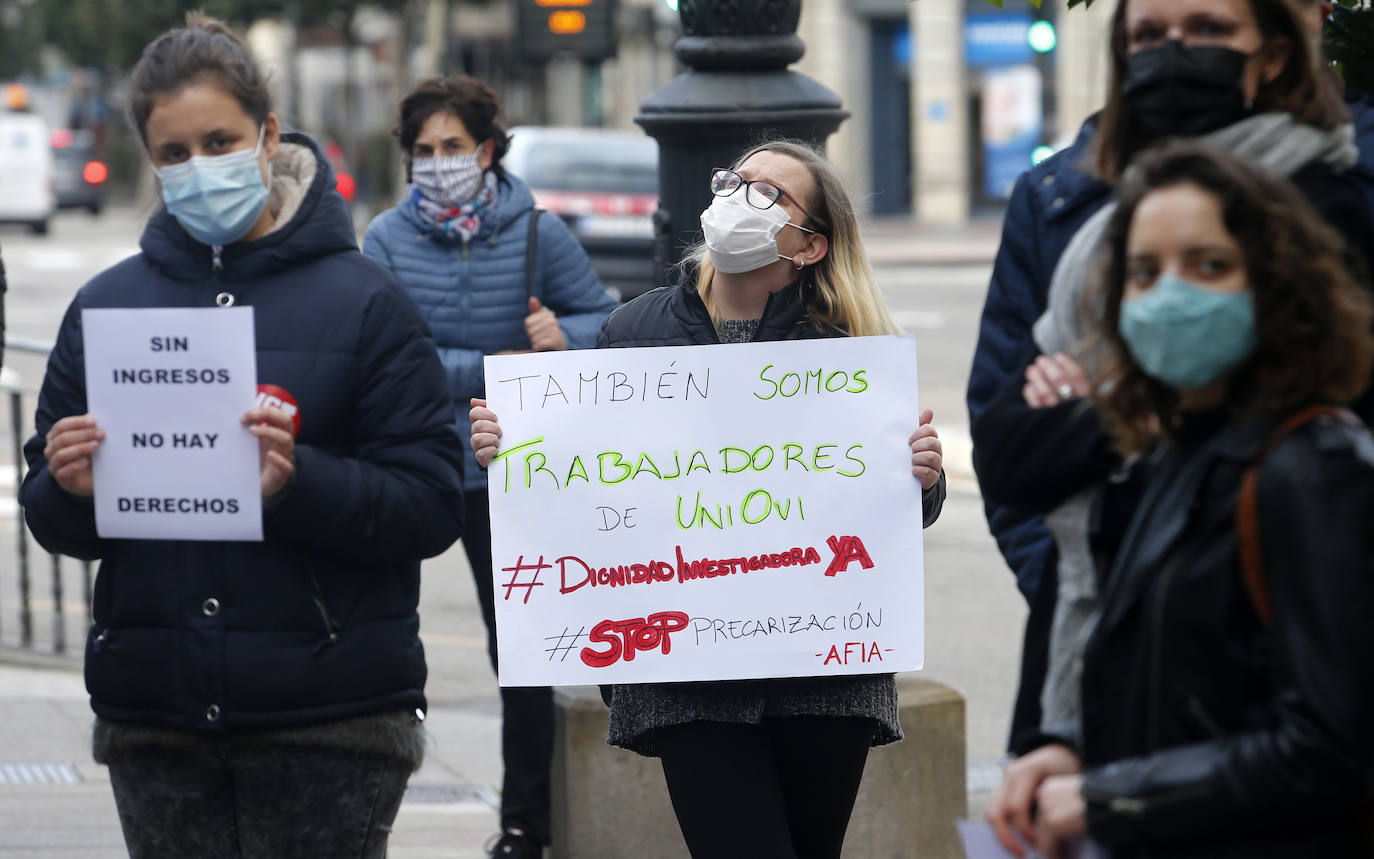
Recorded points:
1237,75
1244,75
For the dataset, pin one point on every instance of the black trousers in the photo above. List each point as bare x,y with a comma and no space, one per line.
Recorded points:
781,789
526,711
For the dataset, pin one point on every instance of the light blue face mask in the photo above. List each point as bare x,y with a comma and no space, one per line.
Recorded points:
1188,336
216,198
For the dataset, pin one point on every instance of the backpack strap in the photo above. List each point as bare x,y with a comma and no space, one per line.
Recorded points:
532,253
1247,509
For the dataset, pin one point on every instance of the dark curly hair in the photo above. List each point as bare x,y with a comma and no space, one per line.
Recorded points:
472,101
1312,314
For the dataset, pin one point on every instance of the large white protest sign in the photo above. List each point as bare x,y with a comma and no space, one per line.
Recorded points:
169,387
706,512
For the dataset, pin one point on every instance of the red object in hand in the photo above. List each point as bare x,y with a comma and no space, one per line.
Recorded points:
280,398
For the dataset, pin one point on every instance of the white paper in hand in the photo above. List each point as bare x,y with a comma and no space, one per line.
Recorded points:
169,387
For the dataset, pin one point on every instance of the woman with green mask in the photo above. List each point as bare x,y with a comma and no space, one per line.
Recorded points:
1227,683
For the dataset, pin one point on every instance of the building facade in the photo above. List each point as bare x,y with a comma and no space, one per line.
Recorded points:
952,99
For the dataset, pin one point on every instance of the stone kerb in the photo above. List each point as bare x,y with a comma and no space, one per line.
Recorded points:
613,804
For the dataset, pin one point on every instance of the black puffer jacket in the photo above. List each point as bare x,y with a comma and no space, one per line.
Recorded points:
1204,733
319,620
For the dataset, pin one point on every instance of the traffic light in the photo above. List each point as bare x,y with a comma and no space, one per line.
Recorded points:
582,28
1041,37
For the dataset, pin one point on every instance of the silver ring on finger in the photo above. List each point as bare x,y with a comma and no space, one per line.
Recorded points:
1065,391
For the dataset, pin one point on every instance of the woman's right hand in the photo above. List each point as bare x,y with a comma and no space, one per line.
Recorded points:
1010,811
70,444
486,432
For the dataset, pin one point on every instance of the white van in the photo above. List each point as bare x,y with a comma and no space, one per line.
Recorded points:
27,191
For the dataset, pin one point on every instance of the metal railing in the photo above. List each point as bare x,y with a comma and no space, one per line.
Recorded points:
15,393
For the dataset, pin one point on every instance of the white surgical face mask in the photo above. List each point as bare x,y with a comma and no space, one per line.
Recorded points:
449,180
741,238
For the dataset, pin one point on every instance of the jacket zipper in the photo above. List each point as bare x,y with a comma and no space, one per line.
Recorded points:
1157,656
1132,806
222,298
1204,718
331,626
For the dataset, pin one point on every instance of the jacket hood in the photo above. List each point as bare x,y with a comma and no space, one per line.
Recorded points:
312,221
513,199
1064,182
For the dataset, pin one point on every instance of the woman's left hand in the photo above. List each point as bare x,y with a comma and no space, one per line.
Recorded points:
1052,379
1060,813
926,453
276,446
545,333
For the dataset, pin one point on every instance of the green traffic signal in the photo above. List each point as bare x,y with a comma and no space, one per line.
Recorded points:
1041,37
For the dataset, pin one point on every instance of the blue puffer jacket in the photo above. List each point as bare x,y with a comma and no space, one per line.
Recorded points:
473,293
317,622
1048,205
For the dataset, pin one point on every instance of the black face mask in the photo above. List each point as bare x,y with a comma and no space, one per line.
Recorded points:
1178,91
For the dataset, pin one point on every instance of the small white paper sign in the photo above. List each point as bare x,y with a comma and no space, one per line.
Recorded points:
707,512
169,387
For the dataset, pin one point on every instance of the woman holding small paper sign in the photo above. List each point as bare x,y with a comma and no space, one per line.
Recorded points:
762,767
260,698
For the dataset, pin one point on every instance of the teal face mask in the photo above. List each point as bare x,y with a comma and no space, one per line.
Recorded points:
1188,336
216,198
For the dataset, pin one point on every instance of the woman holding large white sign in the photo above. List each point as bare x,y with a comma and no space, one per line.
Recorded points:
256,697
762,767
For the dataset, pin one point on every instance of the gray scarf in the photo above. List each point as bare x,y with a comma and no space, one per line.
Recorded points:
1275,141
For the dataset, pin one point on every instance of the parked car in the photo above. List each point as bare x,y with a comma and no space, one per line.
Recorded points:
26,170
79,175
604,184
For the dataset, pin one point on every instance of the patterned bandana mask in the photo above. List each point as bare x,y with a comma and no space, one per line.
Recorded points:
460,222
449,180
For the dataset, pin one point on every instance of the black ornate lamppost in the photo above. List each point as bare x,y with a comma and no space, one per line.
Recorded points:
737,91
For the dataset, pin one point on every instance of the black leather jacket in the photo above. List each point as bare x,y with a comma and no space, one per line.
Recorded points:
1204,733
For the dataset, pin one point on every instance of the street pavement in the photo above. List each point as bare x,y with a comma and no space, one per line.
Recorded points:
54,802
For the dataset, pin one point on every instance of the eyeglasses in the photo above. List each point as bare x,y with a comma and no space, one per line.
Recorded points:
758,193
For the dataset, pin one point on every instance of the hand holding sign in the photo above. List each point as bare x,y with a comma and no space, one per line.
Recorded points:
542,327
70,444
926,452
1061,814
1010,810
486,432
276,446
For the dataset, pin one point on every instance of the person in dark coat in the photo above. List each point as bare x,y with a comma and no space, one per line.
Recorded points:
763,767
491,275
1228,683
1019,484
260,698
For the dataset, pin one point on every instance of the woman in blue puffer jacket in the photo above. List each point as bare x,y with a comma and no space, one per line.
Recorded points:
460,242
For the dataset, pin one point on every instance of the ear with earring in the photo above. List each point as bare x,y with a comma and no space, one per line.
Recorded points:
798,262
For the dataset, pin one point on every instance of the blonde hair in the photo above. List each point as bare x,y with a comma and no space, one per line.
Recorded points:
840,291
